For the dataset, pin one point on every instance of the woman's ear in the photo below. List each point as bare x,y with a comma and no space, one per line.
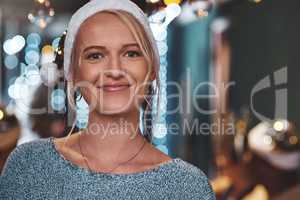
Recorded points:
153,75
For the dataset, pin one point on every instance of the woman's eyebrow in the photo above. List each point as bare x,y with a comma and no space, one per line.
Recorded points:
103,48
131,45
93,47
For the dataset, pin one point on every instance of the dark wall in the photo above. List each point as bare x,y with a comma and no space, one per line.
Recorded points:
264,38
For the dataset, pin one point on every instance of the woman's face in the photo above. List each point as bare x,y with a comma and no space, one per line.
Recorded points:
112,72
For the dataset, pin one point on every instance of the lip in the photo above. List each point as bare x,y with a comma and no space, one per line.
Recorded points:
114,87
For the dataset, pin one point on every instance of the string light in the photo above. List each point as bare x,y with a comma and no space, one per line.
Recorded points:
42,14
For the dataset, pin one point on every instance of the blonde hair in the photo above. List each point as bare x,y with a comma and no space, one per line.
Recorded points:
145,45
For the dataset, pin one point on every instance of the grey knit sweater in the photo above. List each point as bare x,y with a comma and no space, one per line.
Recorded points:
36,170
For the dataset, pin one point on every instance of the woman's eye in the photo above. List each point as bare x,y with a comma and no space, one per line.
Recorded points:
133,54
93,56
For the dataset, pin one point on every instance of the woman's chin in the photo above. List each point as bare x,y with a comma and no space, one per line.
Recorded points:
114,109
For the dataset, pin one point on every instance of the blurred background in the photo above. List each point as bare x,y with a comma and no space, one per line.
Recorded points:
234,68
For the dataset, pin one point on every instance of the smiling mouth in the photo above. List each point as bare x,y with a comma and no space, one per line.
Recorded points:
113,88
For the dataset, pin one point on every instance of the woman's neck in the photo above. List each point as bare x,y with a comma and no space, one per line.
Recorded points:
111,138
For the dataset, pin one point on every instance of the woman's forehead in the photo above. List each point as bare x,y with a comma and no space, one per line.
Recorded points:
102,21
105,28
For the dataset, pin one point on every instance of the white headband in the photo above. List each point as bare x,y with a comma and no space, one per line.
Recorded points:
92,8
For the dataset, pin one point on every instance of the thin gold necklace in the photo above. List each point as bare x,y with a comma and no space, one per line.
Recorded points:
122,163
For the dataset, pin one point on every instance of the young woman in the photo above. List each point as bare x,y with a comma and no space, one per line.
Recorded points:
111,57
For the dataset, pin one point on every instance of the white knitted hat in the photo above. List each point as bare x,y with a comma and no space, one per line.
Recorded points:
92,8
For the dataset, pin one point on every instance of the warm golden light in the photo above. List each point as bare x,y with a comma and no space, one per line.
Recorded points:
221,184
1,114
42,23
41,1
30,16
154,1
51,12
47,49
293,140
278,126
268,140
202,13
167,2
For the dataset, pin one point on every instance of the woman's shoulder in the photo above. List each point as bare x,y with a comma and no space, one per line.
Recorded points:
25,154
188,169
20,168
27,149
192,182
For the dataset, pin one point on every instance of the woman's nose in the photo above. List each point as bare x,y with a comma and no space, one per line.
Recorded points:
114,68
114,61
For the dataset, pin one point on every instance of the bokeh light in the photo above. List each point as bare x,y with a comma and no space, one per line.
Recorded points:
159,32
32,48
47,49
33,39
158,141
42,14
14,45
49,73
12,80
19,90
82,113
163,148
172,11
58,97
32,57
11,61
48,54
11,91
162,48
1,114
55,43
159,130
153,1
168,2
33,77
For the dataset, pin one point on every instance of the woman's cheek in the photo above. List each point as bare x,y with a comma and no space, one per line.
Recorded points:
141,91
89,72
